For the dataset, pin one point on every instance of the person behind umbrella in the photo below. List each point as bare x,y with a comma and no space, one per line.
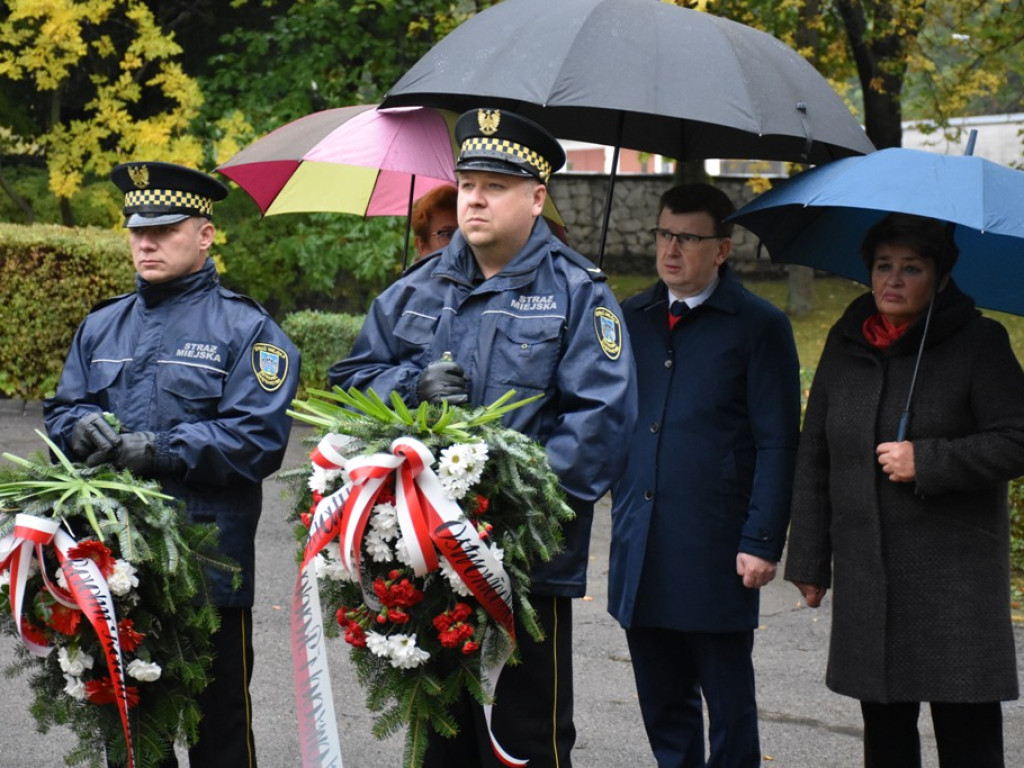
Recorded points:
515,308
699,517
913,536
434,220
200,379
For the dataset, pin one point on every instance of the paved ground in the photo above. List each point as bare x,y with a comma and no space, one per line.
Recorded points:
803,725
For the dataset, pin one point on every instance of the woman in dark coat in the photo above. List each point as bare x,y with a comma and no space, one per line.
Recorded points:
913,536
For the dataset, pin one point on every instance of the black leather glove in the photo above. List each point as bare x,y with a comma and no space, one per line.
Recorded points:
443,380
136,452
93,440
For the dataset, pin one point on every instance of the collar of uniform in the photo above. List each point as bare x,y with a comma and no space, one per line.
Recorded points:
153,294
457,261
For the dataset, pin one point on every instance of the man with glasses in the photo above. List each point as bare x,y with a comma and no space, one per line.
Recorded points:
699,517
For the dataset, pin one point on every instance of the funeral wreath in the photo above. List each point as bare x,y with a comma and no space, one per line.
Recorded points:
101,584
420,528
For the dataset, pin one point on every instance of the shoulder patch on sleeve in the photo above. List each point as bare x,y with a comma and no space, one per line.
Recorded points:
270,364
609,332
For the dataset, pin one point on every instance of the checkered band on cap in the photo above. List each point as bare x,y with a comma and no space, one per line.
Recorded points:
509,149
173,200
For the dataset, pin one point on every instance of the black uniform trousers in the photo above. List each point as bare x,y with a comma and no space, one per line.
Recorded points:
966,735
673,670
225,731
532,716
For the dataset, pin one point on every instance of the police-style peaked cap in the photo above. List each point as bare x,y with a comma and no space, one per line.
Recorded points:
158,194
504,142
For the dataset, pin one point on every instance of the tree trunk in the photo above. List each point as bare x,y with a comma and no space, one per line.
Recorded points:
18,200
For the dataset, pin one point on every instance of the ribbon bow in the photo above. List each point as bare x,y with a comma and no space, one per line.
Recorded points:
87,592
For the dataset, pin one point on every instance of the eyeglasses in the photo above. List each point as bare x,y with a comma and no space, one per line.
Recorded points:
445,235
685,239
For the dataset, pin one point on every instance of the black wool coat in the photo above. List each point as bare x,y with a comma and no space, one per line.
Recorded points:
919,571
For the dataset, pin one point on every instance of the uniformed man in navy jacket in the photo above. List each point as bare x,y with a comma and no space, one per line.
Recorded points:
200,378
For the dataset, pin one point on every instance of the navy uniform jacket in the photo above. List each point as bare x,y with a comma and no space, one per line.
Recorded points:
211,374
711,460
547,323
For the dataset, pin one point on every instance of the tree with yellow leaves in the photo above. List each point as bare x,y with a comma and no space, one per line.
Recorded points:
95,68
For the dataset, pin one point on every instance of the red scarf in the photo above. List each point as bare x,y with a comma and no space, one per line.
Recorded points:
881,333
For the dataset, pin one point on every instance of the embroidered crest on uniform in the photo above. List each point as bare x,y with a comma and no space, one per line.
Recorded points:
200,352
488,120
609,332
139,175
270,364
535,303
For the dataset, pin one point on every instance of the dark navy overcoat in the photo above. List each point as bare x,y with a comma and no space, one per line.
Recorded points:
711,459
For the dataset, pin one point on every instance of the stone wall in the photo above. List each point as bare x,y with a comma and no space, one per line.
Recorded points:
581,197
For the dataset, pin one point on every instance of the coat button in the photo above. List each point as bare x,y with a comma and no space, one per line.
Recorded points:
654,427
765,535
648,494
668,363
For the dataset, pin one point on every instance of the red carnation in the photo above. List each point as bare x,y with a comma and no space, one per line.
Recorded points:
102,692
355,635
461,612
482,504
96,551
470,647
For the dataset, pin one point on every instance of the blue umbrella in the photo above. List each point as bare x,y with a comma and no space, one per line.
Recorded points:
819,217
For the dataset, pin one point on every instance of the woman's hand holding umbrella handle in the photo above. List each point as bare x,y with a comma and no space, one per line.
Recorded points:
812,593
897,460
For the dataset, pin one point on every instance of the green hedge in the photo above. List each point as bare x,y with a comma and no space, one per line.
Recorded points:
323,339
50,276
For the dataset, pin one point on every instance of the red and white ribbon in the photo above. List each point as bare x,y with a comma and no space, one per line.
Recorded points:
431,524
87,591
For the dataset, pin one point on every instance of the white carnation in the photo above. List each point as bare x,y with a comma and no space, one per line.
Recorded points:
377,548
402,552
5,578
74,687
123,579
458,586
385,520
320,479
74,662
144,671
328,564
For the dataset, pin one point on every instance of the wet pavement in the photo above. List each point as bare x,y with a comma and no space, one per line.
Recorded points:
803,724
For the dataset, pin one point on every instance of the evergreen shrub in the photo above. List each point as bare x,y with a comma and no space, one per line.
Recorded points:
323,338
50,277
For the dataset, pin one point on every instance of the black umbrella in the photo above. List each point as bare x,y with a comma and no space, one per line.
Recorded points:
641,74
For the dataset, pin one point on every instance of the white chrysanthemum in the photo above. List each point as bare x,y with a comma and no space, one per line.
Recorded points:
456,488
74,687
385,520
74,662
402,552
320,479
144,671
462,462
328,564
377,644
5,578
457,585
61,579
123,579
404,652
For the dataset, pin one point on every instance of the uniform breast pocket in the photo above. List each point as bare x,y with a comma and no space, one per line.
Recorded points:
191,392
415,331
526,351
106,385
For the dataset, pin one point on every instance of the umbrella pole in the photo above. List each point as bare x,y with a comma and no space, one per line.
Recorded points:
408,222
901,430
608,196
